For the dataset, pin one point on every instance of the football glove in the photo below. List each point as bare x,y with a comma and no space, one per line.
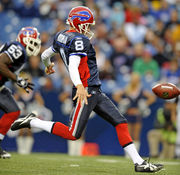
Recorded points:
23,83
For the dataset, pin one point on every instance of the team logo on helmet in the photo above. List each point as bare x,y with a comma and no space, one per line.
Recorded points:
28,31
83,16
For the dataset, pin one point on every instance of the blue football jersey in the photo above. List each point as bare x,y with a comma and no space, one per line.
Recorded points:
70,42
17,54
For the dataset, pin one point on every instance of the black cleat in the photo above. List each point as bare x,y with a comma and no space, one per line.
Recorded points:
23,122
4,154
148,167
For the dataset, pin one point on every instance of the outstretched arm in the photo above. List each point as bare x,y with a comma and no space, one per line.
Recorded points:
46,59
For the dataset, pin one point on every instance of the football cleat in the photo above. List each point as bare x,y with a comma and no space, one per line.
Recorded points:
4,154
23,122
148,167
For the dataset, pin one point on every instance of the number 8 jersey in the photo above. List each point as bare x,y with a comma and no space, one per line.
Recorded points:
70,42
16,52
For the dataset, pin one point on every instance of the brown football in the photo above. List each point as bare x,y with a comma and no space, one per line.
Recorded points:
166,90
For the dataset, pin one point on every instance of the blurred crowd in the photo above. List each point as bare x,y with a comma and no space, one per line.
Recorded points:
137,42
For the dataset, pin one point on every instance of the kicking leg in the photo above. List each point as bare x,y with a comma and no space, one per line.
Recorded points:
79,119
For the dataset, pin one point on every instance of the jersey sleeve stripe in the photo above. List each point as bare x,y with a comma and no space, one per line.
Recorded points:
9,55
78,53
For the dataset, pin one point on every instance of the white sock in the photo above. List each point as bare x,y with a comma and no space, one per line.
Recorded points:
133,154
41,124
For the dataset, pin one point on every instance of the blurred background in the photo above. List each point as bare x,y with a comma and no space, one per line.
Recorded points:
137,45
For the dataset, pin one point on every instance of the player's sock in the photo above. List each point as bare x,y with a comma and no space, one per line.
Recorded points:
133,154
123,134
57,128
126,142
6,120
62,130
41,124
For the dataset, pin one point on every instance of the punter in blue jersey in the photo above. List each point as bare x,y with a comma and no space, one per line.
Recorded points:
13,55
79,57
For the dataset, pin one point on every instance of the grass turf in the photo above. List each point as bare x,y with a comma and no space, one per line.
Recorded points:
62,164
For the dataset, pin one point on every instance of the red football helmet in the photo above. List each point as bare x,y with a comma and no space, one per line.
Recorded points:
29,37
80,18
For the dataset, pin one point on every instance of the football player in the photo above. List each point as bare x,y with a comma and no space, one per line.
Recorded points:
12,57
79,57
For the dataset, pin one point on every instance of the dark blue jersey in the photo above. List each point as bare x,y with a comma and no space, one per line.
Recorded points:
16,52
70,42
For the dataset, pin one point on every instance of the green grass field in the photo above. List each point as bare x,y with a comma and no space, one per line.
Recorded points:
62,164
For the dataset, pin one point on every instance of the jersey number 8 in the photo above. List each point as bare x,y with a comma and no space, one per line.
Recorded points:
79,45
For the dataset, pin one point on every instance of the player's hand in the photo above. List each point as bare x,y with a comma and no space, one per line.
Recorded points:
49,69
23,83
81,94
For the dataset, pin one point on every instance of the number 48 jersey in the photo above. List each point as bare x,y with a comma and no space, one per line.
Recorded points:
70,42
17,54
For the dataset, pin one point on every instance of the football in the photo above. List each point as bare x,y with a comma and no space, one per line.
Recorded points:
166,90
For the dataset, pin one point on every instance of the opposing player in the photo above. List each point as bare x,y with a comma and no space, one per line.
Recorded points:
79,57
12,57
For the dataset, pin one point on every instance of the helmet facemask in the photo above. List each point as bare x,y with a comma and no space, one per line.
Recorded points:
85,29
32,46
